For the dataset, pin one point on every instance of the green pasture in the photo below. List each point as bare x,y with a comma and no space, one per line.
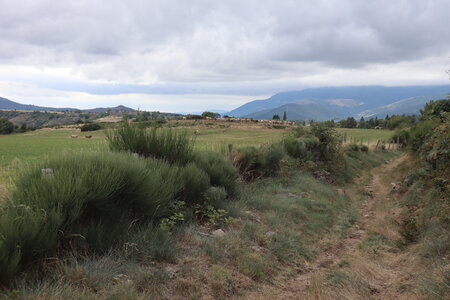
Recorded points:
367,134
35,145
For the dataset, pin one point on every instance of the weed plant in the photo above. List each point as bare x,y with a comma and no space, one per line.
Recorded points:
175,147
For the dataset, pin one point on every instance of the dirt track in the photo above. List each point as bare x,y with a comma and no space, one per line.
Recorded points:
382,273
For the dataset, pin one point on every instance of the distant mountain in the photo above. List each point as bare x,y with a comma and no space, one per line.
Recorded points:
336,102
8,104
407,106
346,101
299,111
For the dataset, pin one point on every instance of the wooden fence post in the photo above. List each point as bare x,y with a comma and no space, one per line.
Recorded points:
362,140
230,152
282,145
398,143
378,142
345,137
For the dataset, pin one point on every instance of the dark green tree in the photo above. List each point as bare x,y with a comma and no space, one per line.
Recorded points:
6,127
284,116
276,117
210,114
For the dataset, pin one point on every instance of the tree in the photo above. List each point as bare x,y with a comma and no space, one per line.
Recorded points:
351,122
276,117
210,114
284,116
362,123
6,127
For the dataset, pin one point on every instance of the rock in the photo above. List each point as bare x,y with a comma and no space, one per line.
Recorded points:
368,191
366,216
135,155
121,278
395,187
323,176
252,216
47,172
340,191
270,233
218,232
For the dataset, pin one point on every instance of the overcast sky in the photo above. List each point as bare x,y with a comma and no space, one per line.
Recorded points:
191,55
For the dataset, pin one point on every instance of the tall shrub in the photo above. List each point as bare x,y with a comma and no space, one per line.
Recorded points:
172,146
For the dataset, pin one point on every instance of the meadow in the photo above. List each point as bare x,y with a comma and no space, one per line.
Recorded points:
35,145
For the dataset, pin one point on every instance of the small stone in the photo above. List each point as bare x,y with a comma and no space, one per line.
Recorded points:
218,232
121,278
270,233
366,216
47,172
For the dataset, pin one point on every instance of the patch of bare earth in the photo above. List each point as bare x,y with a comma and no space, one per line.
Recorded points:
344,268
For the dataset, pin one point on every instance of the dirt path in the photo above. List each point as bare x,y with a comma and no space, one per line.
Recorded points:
310,282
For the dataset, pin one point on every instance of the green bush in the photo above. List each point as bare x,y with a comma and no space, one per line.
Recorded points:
255,163
89,200
419,133
6,127
195,183
302,148
319,143
164,144
90,127
364,148
352,147
221,172
402,136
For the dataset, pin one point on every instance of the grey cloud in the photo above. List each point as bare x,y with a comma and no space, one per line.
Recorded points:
200,40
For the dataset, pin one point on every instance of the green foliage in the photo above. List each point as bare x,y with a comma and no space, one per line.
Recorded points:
6,127
420,133
276,117
147,243
402,136
165,144
328,148
221,172
255,163
195,183
352,147
89,200
435,109
303,148
90,127
210,114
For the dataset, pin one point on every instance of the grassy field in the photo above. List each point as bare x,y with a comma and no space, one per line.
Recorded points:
367,134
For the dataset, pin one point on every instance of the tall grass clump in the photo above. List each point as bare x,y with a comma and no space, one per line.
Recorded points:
255,163
163,144
221,173
88,200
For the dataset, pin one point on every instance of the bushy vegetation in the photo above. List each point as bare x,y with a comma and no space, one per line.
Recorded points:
162,144
6,126
320,142
90,127
253,162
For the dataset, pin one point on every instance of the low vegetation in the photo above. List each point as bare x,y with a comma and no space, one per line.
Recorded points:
156,217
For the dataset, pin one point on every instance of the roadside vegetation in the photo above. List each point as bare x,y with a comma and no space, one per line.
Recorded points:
148,214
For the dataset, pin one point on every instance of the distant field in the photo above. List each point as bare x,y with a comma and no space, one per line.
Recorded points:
35,145
367,134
